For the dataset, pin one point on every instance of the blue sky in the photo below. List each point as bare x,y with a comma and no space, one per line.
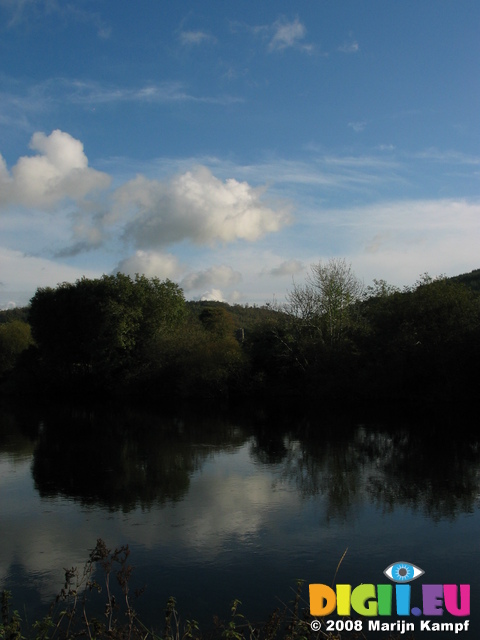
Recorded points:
228,146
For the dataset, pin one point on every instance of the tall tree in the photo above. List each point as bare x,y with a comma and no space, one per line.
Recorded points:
101,329
15,337
325,301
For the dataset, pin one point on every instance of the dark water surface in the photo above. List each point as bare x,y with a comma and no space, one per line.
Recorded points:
224,507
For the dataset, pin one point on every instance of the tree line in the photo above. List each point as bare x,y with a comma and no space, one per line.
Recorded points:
332,340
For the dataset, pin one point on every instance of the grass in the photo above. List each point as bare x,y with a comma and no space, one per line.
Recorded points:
102,608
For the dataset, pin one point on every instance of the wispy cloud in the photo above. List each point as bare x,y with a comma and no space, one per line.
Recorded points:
26,273
22,104
192,38
399,240
349,47
329,172
91,93
288,35
448,157
386,147
17,9
358,126
280,35
32,12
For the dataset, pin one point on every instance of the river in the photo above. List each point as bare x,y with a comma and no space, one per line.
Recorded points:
235,506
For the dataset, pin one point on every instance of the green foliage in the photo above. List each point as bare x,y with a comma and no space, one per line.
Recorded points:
70,615
247,317
332,340
423,341
312,345
471,280
335,342
17,313
100,331
218,321
15,337
231,630
202,361
11,625
325,302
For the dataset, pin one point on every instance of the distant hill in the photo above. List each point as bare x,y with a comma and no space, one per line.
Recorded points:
471,280
17,313
244,316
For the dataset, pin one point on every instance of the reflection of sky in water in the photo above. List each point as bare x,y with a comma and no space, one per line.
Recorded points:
242,530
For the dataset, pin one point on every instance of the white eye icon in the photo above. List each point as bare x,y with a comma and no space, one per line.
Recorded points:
403,572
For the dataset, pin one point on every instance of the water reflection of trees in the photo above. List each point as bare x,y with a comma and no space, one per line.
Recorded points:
127,459
331,468
423,469
17,437
124,461
434,472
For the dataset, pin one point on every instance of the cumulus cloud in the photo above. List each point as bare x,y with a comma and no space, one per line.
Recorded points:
213,294
88,233
57,172
288,268
137,222
195,206
218,276
151,264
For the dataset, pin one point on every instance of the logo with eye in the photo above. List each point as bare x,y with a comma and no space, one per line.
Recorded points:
403,572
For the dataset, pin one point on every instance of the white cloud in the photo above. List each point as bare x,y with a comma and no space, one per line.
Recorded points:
386,147
17,9
288,34
195,37
358,127
24,10
94,93
167,227
213,294
218,276
151,264
88,232
398,241
448,157
325,172
22,274
59,171
195,206
349,47
288,268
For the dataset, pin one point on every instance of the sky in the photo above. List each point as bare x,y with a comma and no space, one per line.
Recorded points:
230,146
